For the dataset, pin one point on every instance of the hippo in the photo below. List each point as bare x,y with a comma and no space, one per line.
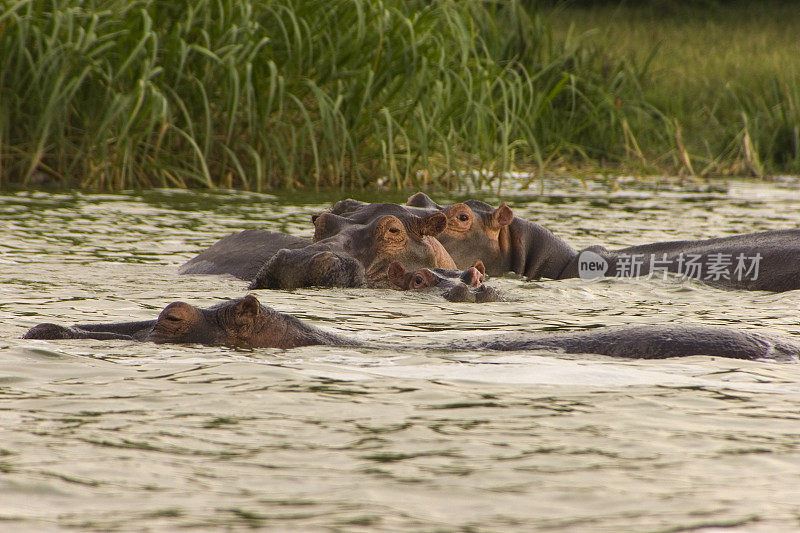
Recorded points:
768,260
359,254
241,254
244,322
366,249
453,285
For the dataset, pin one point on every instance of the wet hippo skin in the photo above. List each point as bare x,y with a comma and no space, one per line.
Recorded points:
241,254
245,322
476,230
309,267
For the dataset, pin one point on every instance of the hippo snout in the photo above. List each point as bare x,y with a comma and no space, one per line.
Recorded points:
464,293
472,277
485,293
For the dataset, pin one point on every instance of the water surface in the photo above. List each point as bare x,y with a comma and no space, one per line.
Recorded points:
110,435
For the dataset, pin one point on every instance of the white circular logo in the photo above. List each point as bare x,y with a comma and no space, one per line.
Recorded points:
591,266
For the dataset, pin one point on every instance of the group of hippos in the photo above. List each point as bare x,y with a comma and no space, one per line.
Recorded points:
450,250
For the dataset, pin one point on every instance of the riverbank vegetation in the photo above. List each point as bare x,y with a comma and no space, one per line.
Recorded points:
275,94
723,78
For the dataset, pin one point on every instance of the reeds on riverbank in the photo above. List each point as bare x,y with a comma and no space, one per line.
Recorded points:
724,78
287,94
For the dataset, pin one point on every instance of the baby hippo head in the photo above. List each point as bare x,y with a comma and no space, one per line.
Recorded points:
453,285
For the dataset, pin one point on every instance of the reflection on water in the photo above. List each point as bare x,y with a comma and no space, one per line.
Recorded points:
114,435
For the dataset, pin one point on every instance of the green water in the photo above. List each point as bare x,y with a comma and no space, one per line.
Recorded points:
110,435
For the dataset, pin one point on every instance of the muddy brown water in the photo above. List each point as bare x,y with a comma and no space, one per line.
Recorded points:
109,435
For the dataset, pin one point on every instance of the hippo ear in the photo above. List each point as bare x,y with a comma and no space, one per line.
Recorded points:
503,215
421,199
397,274
327,225
433,224
479,267
248,306
344,207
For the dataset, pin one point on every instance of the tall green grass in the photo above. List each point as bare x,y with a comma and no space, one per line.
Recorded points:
722,80
269,94
280,93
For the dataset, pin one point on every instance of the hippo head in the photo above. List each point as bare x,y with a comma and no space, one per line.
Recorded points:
242,322
411,241
473,230
378,234
327,225
453,285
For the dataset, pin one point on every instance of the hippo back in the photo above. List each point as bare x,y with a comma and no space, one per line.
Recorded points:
241,254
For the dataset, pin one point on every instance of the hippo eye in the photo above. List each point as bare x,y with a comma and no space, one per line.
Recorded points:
394,230
418,280
172,318
463,217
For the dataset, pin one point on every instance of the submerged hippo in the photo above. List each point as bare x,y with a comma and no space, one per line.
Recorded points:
453,285
261,256
475,230
244,322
